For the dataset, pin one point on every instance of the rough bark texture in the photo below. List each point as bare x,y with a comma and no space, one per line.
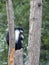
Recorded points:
18,57
34,32
10,17
19,53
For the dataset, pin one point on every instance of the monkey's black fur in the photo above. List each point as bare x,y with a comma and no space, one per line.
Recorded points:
18,45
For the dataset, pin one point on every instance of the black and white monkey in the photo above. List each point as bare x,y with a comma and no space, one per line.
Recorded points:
18,38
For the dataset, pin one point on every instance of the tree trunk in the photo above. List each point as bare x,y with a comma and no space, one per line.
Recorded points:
14,57
34,32
18,57
10,17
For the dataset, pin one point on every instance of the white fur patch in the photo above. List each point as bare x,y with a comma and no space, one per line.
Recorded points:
21,31
22,36
17,32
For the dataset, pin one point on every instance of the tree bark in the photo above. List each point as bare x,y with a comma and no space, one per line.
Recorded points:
34,32
10,18
18,57
14,57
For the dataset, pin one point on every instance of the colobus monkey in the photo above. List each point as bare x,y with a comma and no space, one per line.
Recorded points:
18,38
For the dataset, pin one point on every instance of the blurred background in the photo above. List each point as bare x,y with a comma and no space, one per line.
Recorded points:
21,18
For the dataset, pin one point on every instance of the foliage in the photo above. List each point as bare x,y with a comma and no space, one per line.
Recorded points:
45,32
